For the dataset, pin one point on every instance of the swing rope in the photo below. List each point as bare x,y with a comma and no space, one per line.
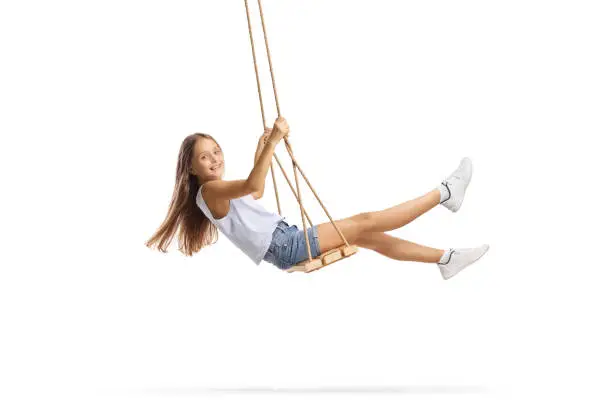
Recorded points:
263,115
263,118
296,167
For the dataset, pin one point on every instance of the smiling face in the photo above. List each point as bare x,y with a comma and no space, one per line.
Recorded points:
207,161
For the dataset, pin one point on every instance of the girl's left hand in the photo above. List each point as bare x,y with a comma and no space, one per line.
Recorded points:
266,135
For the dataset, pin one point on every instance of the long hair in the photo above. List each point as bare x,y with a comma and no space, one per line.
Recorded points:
194,229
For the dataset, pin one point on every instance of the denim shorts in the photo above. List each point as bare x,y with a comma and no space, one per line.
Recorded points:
288,246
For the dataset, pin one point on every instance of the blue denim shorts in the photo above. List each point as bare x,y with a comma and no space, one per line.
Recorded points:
288,246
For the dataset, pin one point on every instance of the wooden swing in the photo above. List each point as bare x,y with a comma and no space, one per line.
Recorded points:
332,255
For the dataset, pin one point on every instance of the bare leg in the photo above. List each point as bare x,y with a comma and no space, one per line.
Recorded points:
397,248
376,221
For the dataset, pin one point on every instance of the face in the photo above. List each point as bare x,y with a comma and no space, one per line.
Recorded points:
207,161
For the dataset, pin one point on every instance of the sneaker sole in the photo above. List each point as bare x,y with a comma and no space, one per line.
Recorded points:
467,183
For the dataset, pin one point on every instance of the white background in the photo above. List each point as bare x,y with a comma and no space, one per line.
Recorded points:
383,99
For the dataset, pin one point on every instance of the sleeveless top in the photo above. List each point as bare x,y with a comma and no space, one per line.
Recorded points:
248,225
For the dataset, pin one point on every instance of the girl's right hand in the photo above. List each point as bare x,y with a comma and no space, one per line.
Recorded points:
280,130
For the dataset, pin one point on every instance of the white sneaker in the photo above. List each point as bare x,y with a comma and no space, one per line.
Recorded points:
460,258
456,184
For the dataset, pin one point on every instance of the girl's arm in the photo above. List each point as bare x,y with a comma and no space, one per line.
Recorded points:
260,145
227,190
262,142
257,177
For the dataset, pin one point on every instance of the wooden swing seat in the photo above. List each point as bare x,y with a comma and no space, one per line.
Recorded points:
324,259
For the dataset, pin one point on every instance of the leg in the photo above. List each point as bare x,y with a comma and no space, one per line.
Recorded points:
397,248
377,221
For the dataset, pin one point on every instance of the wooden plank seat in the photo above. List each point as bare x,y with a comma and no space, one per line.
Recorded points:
324,259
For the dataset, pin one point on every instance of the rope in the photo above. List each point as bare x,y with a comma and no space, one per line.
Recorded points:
291,186
290,150
297,186
296,166
263,26
263,116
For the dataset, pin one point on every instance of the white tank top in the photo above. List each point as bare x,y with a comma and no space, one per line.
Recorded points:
248,225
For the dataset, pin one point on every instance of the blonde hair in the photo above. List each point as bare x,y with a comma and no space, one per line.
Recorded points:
184,216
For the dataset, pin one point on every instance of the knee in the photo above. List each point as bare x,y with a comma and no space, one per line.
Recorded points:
365,221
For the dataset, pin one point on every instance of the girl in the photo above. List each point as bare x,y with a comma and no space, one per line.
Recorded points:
204,203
